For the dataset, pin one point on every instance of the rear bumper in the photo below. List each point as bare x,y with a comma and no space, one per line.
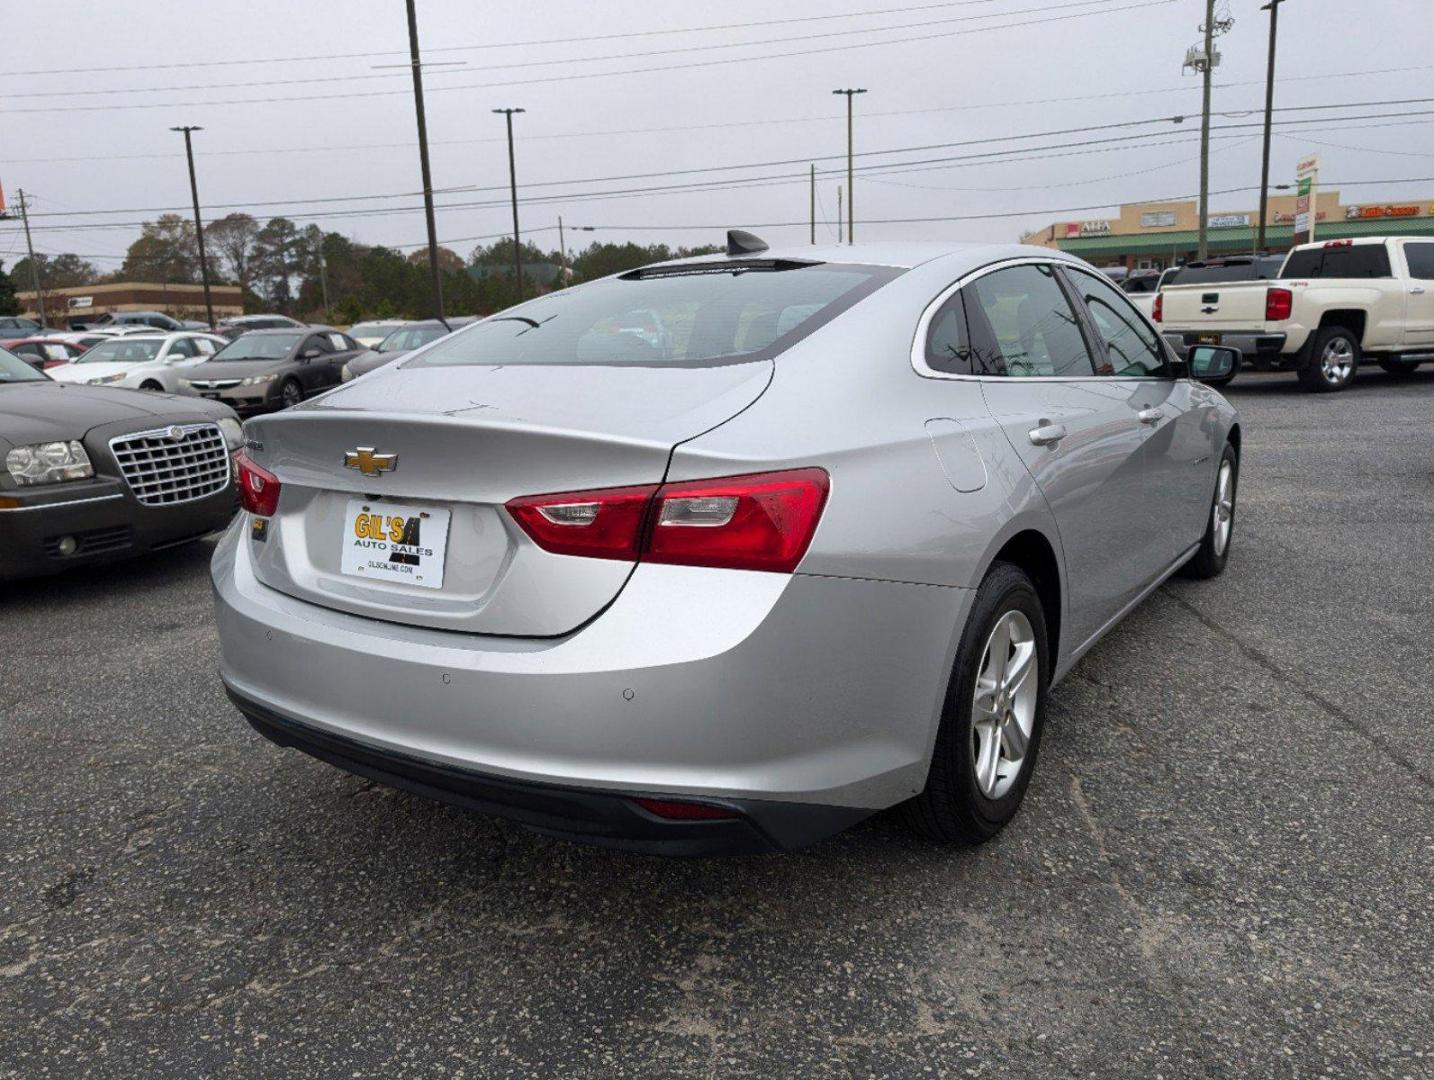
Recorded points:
1256,347
764,692
106,522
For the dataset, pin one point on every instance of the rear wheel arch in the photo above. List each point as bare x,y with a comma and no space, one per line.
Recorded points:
1234,439
1032,552
1351,319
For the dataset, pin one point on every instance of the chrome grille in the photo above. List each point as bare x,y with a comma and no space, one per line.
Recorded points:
173,465
213,384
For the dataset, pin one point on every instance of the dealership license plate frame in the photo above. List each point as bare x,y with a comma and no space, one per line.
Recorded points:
1207,339
370,552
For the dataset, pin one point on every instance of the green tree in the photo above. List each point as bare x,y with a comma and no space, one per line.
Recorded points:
276,261
58,271
165,251
9,303
230,243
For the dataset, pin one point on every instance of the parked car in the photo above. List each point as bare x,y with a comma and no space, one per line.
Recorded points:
1332,304
400,343
272,369
43,352
83,338
369,334
141,361
15,326
90,473
241,324
824,553
151,320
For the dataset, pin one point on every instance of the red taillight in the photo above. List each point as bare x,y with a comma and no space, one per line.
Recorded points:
258,487
1278,304
1158,311
760,522
673,810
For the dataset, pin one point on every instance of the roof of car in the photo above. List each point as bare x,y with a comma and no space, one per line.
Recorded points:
901,254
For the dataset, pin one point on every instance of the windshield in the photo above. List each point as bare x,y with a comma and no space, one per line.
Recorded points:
258,347
410,337
122,351
13,369
703,313
372,329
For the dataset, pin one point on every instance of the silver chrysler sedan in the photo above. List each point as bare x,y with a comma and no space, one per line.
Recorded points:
820,547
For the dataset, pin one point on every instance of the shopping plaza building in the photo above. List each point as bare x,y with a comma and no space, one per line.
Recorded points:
1152,236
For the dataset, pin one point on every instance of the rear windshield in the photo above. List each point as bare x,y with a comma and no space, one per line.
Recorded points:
1201,275
1352,261
707,313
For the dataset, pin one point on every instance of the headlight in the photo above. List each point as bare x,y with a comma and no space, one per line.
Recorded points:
345,374
233,432
256,380
185,382
117,377
48,463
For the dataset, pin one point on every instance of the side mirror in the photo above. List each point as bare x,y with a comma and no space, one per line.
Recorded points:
1212,363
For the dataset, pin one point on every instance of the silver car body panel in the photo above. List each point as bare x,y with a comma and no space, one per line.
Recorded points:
823,686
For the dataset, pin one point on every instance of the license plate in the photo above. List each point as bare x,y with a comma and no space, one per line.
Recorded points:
386,541
1208,339
210,394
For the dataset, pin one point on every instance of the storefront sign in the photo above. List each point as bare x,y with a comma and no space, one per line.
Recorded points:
1157,219
1307,177
80,302
1359,213
1087,228
1230,221
1284,217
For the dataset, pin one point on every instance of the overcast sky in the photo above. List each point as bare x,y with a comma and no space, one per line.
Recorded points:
85,110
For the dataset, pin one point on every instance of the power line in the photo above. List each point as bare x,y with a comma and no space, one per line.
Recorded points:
687,66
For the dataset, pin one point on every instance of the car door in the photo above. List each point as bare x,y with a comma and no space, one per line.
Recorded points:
1419,314
1076,432
1176,415
313,371
345,349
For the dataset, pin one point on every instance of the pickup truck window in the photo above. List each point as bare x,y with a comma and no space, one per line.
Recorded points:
1421,261
1353,261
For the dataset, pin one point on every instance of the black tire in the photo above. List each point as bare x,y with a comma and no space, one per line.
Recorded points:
1398,366
152,386
1209,560
290,393
1318,377
952,806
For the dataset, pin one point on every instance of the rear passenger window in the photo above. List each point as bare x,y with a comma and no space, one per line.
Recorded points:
948,346
1023,326
338,342
1132,349
1344,261
1421,261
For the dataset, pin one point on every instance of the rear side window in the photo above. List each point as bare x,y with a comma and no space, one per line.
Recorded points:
700,313
948,345
1350,261
1023,326
1421,261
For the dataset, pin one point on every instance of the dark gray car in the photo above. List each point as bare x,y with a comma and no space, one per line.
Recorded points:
400,343
265,370
93,473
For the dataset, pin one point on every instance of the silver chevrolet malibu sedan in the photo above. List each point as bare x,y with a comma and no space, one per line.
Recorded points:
729,553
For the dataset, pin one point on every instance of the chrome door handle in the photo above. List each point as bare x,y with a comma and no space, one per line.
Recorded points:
1047,434
1417,289
1150,416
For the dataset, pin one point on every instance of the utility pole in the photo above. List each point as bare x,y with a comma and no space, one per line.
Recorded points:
839,240
1273,7
34,266
1204,60
850,180
198,224
324,279
814,204
513,187
563,249
423,160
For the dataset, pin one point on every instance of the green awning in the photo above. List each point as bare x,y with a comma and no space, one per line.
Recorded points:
1240,240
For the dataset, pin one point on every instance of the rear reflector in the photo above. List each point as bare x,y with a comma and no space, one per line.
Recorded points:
685,811
764,521
1279,303
258,487
1158,311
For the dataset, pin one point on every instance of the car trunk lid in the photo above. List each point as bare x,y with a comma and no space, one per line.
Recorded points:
466,440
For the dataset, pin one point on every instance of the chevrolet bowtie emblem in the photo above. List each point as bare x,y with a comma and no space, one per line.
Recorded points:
369,463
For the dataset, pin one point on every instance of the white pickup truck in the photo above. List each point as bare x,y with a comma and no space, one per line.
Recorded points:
1333,304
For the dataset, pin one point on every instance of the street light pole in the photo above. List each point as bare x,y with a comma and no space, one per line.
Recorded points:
1273,7
850,184
423,160
198,224
513,188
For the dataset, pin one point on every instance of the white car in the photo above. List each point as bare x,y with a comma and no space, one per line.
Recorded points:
368,334
140,361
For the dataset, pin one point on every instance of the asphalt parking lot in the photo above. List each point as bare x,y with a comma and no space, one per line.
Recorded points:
1224,867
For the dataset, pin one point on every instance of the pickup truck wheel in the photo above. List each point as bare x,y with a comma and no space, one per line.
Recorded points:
1332,361
1397,365
1214,551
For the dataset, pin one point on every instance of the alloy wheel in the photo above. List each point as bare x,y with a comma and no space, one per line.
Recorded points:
1337,360
1223,519
291,395
1003,709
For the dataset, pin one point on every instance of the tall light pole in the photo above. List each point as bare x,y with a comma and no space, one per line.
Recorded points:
34,266
423,161
1273,7
850,186
198,224
513,188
